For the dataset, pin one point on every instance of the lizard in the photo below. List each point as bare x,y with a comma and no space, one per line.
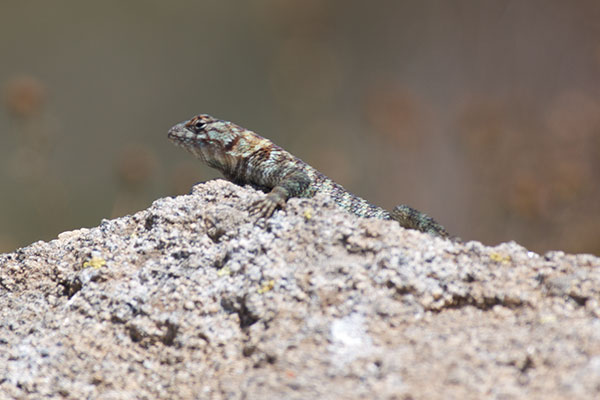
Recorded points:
245,157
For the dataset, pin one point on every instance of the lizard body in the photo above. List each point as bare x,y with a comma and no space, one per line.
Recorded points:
247,158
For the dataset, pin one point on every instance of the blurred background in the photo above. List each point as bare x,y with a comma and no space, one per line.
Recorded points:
486,115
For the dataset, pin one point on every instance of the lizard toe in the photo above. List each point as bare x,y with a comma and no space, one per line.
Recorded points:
264,208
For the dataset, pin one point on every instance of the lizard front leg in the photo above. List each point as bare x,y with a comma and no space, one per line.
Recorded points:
291,185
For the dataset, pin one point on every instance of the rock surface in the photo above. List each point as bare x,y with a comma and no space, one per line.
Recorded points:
194,298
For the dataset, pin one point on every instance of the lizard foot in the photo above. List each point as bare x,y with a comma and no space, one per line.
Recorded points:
266,207
410,218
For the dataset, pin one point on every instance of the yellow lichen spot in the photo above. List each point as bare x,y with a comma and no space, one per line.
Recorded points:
224,271
95,262
308,213
498,257
548,319
266,286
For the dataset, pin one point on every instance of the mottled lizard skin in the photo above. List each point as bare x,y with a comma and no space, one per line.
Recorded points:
247,158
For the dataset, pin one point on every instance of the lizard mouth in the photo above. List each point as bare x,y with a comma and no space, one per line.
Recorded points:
180,135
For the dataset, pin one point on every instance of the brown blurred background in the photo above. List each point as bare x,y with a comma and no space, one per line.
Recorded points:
485,114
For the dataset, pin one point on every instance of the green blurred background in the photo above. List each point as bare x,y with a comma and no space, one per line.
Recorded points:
485,114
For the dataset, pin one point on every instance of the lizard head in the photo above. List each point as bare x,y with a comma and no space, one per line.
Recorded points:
195,132
206,137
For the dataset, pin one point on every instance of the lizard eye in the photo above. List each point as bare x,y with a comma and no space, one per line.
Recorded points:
199,125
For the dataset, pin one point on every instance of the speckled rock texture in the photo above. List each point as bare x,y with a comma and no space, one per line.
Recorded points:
195,299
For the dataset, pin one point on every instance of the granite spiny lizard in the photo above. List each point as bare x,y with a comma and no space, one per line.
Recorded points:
247,158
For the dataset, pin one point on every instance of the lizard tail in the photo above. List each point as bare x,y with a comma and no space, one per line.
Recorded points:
410,218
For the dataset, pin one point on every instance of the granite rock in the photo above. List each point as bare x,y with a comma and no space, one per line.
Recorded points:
195,298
